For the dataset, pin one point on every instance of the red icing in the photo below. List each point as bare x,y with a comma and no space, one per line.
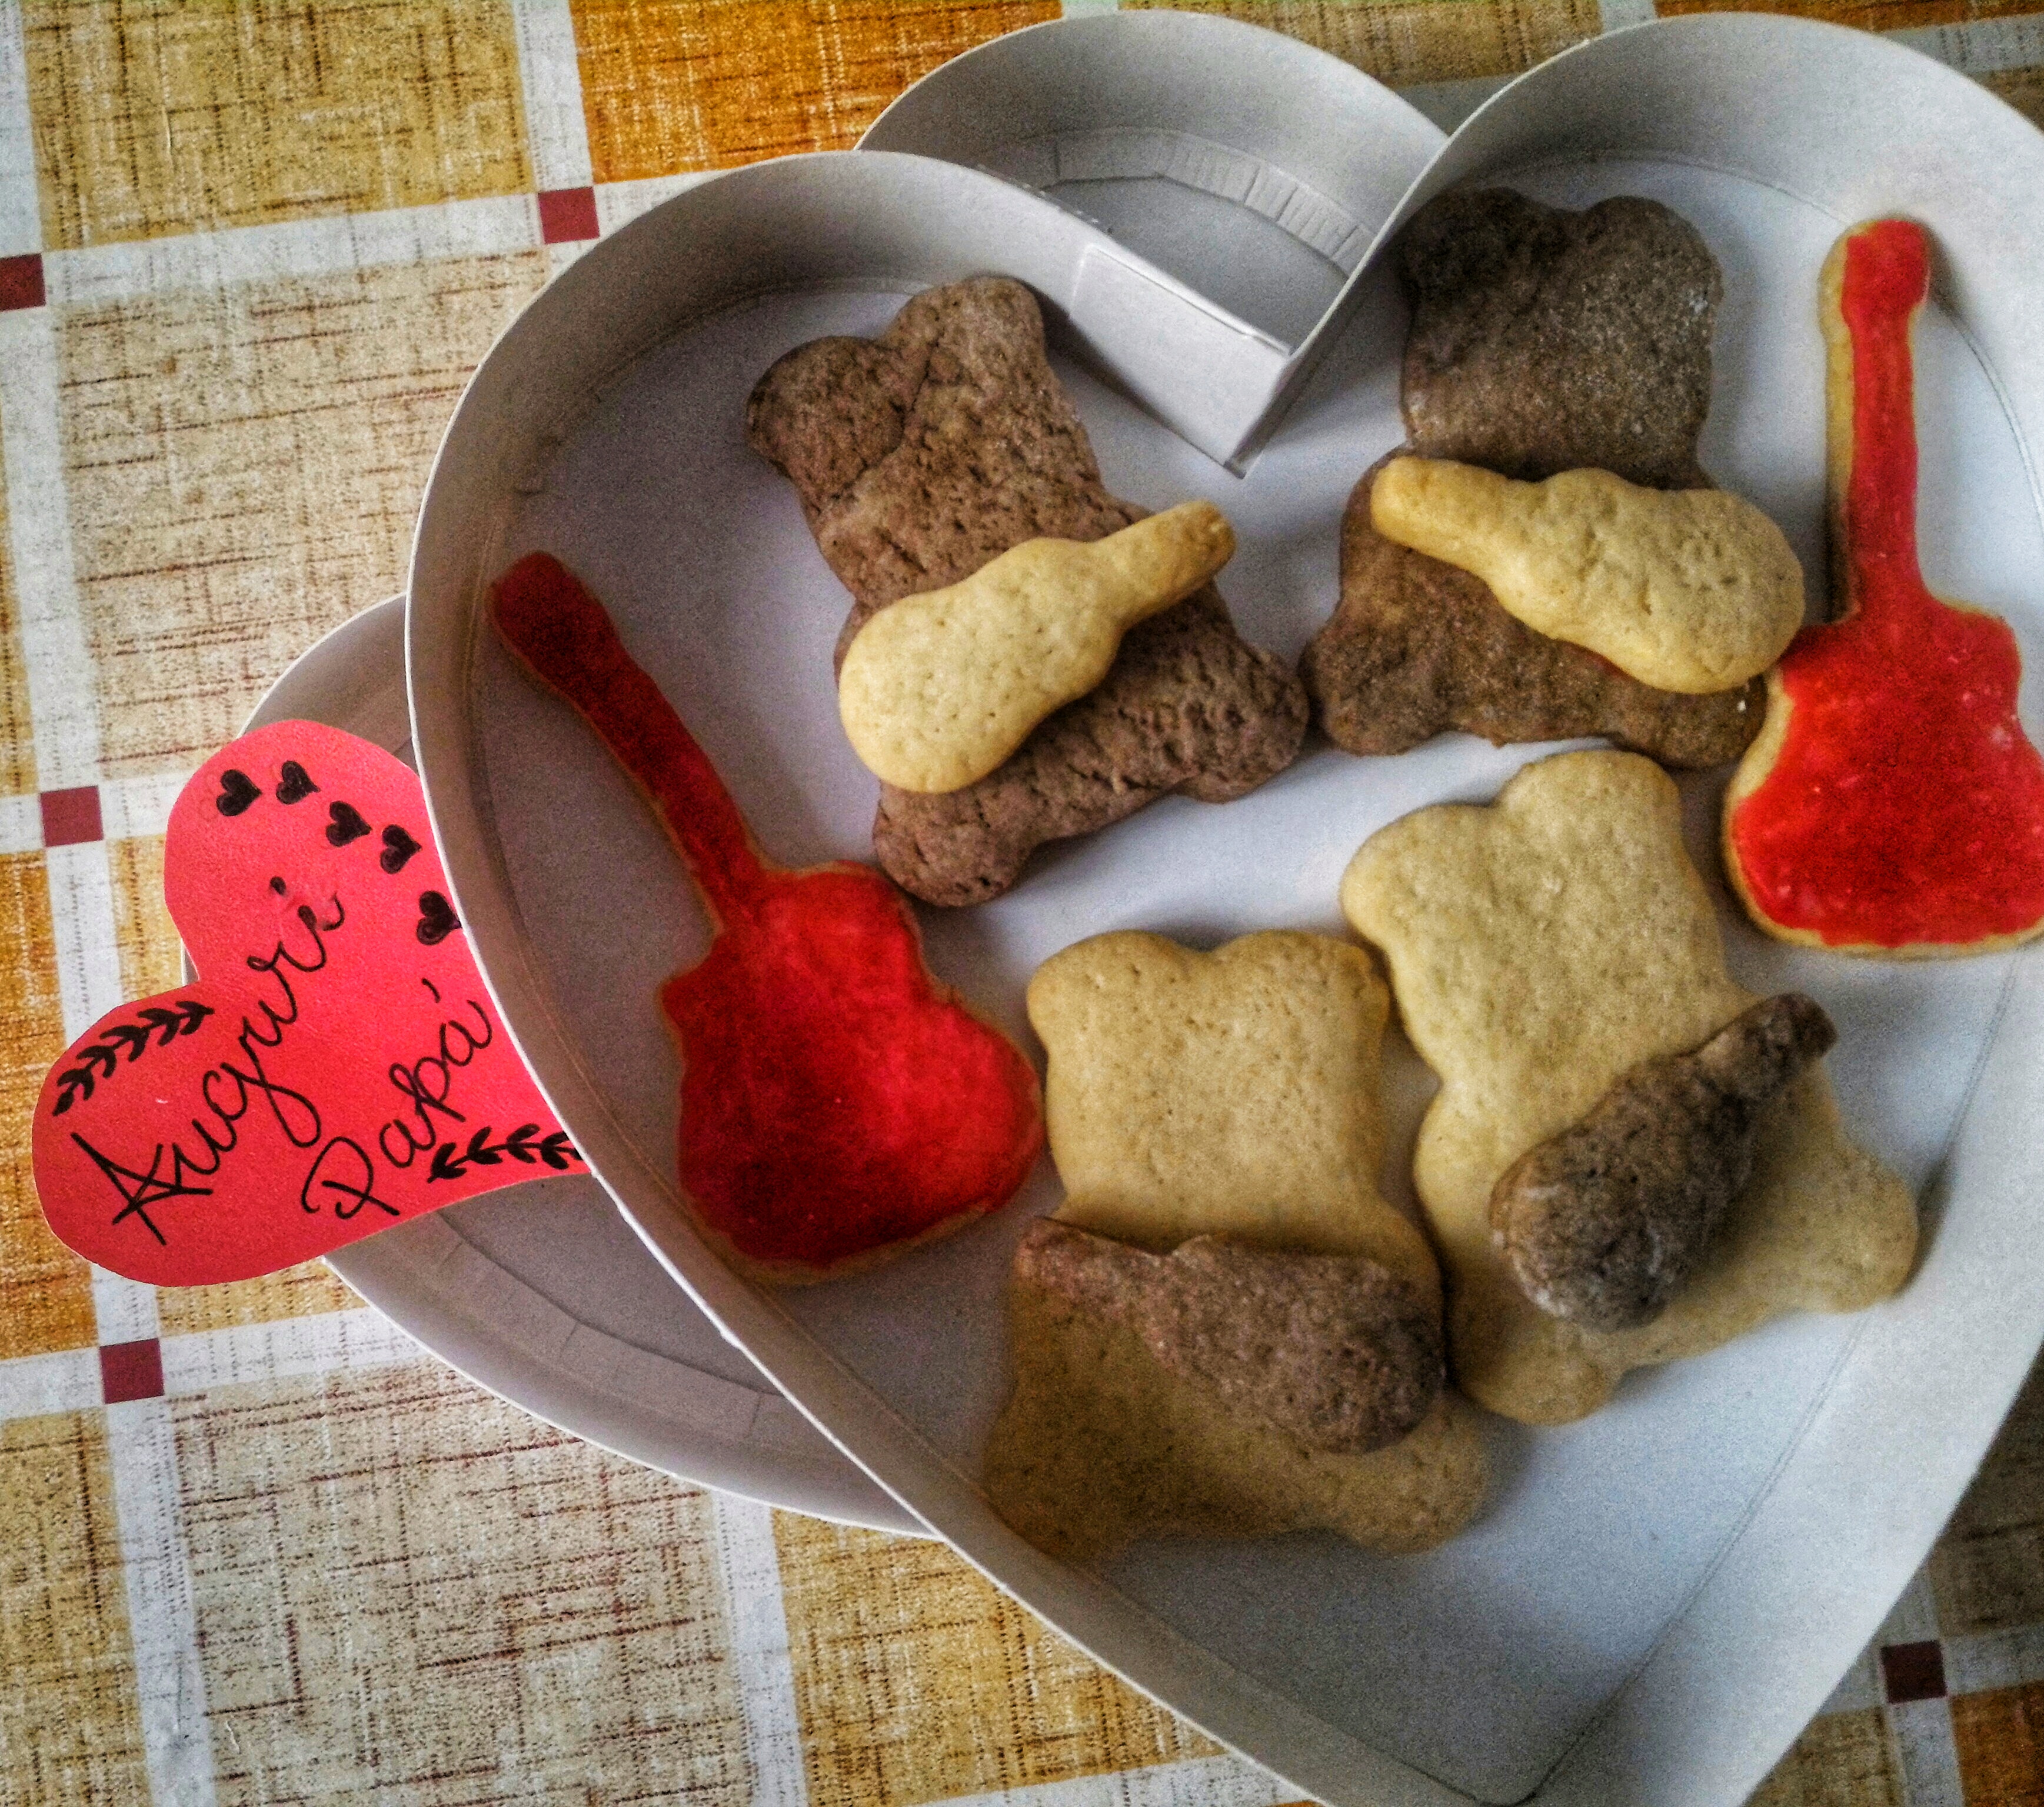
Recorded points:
1905,807
834,1099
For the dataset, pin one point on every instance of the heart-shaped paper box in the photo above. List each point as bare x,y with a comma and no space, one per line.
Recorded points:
1657,1598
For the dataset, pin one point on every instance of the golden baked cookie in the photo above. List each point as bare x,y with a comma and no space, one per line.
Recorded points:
1540,947
1690,590
1226,1094
936,691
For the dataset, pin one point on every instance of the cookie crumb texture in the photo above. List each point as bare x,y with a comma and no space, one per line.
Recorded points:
919,455
1231,1094
1542,341
1541,947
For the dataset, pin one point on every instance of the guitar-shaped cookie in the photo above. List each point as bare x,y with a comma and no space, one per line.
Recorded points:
837,1102
1892,804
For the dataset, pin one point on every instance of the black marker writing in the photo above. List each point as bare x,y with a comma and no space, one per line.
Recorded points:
345,1172
428,1081
227,1089
140,1191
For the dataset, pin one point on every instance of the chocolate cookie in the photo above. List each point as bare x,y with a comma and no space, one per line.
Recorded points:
921,455
1604,1222
1335,1351
1542,341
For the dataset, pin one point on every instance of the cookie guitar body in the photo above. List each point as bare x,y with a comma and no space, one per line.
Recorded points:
836,1103
1892,805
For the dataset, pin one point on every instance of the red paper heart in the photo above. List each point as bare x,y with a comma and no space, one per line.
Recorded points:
337,1069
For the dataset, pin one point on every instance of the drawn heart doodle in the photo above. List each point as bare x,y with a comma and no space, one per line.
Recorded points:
293,785
347,824
237,791
397,848
335,1069
437,918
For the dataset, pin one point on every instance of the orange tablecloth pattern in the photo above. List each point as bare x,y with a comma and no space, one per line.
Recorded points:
254,1546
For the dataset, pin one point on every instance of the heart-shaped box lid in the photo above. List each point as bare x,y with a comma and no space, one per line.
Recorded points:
1257,169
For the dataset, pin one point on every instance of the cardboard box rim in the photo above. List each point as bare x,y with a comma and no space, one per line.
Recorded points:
1131,72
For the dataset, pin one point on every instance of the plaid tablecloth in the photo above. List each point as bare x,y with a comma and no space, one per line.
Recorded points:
254,1546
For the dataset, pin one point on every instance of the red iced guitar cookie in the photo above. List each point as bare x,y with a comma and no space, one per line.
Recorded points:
1892,804
836,1102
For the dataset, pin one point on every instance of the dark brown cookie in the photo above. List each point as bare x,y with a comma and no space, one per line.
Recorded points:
1335,1351
1542,341
1604,1223
921,454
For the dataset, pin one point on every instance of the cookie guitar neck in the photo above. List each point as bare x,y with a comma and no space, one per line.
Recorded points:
1882,281
563,633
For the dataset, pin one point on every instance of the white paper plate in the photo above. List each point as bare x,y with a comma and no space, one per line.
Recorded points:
1657,1599
540,1293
